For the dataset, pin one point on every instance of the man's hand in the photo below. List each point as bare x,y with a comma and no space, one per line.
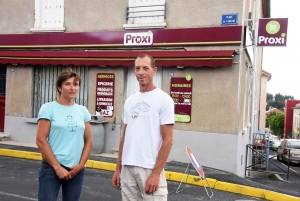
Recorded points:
116,180
152,183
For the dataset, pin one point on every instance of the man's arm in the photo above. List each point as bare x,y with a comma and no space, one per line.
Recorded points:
116,177
152,184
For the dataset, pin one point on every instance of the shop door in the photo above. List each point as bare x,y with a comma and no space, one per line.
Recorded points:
2,112
2,95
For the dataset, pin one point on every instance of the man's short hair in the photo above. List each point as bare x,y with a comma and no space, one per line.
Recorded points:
152,61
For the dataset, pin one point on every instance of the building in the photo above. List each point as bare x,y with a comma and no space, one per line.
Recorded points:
204,53
290,119
274,110
265,77
296,122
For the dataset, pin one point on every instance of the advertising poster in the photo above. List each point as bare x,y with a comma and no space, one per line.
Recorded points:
105,87
181,92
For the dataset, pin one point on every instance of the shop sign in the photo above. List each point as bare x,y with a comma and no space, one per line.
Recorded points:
105,86
140,38
272,32
181,92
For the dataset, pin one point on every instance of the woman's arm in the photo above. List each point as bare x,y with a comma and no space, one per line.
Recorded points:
88,139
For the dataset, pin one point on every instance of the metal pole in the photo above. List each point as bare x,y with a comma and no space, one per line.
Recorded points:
257,9
246,160
289,161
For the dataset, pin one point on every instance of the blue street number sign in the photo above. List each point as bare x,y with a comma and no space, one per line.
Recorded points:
229,19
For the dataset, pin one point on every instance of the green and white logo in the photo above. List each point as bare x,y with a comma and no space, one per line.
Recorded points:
273,27
182,118
188,77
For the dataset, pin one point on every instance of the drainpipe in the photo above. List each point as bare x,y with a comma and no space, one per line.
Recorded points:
253,112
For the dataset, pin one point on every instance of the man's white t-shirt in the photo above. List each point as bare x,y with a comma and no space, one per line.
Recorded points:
144,113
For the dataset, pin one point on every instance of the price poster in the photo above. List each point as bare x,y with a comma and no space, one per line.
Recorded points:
105,87
181,93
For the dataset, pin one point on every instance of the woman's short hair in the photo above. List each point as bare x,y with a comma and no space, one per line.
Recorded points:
63,76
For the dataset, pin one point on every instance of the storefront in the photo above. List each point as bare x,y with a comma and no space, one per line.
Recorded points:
206,113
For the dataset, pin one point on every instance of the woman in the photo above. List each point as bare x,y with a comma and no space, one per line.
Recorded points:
64,139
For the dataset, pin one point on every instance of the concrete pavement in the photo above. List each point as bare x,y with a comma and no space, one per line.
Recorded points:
174,171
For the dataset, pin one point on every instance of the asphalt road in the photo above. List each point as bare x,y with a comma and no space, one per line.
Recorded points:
19,182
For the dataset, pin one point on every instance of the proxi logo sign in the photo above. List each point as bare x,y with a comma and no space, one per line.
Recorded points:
272,32
273,27
139,38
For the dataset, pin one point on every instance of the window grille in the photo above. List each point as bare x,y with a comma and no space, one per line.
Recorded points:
44,85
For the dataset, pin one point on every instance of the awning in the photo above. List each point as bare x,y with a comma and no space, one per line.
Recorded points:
212,58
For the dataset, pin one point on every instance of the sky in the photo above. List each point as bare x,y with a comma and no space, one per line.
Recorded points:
284,62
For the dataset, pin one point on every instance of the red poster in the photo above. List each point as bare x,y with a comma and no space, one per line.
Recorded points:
105,87
181,92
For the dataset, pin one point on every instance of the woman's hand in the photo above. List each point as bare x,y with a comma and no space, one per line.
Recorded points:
62,173
75,170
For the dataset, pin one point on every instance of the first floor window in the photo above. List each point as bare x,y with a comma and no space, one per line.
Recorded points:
49,16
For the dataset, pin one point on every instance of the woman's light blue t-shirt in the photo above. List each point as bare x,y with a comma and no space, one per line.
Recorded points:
66,137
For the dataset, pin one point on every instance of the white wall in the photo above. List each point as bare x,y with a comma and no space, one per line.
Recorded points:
212,149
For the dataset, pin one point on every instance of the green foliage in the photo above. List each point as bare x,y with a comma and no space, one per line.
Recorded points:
268,119
276,123
277,101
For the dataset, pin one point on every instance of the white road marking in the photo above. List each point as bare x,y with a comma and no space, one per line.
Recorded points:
18,196
280,178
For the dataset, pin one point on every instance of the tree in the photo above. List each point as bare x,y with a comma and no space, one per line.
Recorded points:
269,116
277,101
276,123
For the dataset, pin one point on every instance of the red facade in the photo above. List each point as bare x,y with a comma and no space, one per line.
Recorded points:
288,118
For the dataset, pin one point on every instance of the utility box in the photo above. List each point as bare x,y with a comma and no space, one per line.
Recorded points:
98,133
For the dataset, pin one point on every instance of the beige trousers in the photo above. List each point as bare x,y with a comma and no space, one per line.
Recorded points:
133,182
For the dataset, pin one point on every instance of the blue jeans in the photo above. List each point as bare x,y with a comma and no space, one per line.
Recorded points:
49,185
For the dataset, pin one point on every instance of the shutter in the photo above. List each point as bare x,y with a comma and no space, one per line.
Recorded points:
44,85
146,11
49,15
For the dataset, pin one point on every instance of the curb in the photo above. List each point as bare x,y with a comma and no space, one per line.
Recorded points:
172,176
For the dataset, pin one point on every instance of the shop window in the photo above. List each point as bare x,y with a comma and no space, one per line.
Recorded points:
44,85
49,16
145,14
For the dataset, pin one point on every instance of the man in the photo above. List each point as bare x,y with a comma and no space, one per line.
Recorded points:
147,138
